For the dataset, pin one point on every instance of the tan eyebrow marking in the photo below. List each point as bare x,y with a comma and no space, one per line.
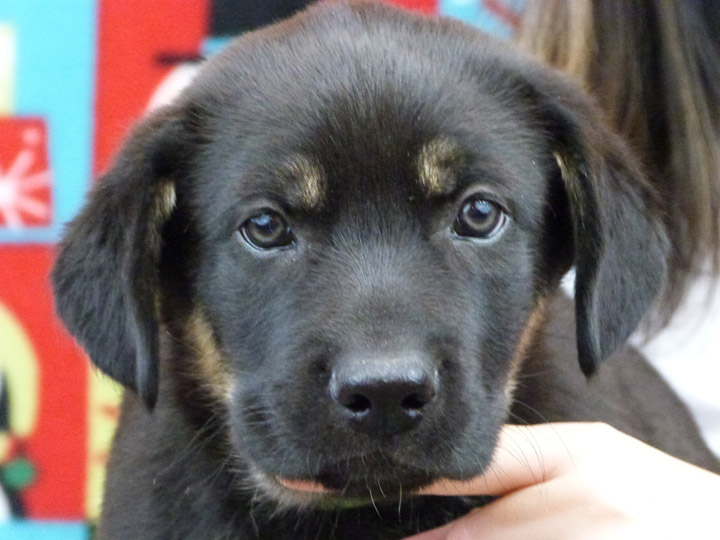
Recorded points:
436,165
308,179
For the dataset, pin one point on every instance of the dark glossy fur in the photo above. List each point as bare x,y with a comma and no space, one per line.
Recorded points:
230,351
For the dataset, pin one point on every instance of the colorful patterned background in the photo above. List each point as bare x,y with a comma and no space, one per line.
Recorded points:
74,74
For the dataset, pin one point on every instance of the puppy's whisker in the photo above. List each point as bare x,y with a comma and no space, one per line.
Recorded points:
379,485
400,499
203,437
523,459
346,487
372,498
530,408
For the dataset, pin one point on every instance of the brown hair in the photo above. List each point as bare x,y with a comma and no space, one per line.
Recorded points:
654,66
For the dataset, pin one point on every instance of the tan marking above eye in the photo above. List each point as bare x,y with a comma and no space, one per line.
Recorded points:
437,166
309,177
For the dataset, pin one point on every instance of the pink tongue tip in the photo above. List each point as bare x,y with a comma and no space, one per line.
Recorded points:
302,485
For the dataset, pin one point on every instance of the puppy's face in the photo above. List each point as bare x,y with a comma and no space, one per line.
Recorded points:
369,284
367,215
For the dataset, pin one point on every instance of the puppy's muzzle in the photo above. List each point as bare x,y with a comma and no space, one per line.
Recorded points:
383,395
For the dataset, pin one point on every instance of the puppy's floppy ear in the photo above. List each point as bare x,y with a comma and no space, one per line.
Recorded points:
619,243
106,273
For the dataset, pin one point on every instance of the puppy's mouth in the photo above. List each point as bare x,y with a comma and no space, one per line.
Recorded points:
307,486
369,485
338,492
355,482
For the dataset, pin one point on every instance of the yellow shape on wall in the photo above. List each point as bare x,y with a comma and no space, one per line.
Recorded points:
19,367
7,67
104,397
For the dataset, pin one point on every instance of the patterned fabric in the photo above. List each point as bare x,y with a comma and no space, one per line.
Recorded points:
74,75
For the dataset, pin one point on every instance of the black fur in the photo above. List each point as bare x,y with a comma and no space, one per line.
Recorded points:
375,277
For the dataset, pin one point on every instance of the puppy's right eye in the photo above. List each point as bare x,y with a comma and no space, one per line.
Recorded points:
479,218
267,230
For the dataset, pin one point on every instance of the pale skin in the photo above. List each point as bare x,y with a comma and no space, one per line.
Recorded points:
568,481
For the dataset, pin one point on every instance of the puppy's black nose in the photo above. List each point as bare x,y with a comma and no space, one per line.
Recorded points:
386,395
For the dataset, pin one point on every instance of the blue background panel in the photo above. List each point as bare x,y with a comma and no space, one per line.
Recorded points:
55,48
37,530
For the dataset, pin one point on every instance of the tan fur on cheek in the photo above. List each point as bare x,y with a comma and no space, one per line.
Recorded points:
166,199
164,204
210,365
570,176
532,328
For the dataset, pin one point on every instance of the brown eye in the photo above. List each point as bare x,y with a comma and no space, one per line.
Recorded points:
479,218
267,230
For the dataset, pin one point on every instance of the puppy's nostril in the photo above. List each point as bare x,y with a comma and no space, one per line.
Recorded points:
357,403
415,402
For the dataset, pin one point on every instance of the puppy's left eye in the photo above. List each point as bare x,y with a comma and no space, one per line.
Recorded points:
267,230
479,218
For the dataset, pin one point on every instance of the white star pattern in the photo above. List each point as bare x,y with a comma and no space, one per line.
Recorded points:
18,188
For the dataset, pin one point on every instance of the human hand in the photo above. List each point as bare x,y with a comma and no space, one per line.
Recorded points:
583,481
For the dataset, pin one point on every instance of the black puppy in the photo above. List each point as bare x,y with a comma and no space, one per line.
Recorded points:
334,259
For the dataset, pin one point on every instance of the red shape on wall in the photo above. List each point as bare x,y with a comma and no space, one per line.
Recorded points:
427,6
133,36
25,177
57,446
504,12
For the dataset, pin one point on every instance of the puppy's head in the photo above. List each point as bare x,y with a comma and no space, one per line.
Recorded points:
348,226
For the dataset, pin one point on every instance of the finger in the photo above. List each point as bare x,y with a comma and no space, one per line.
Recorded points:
435,534
525,455
546,512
